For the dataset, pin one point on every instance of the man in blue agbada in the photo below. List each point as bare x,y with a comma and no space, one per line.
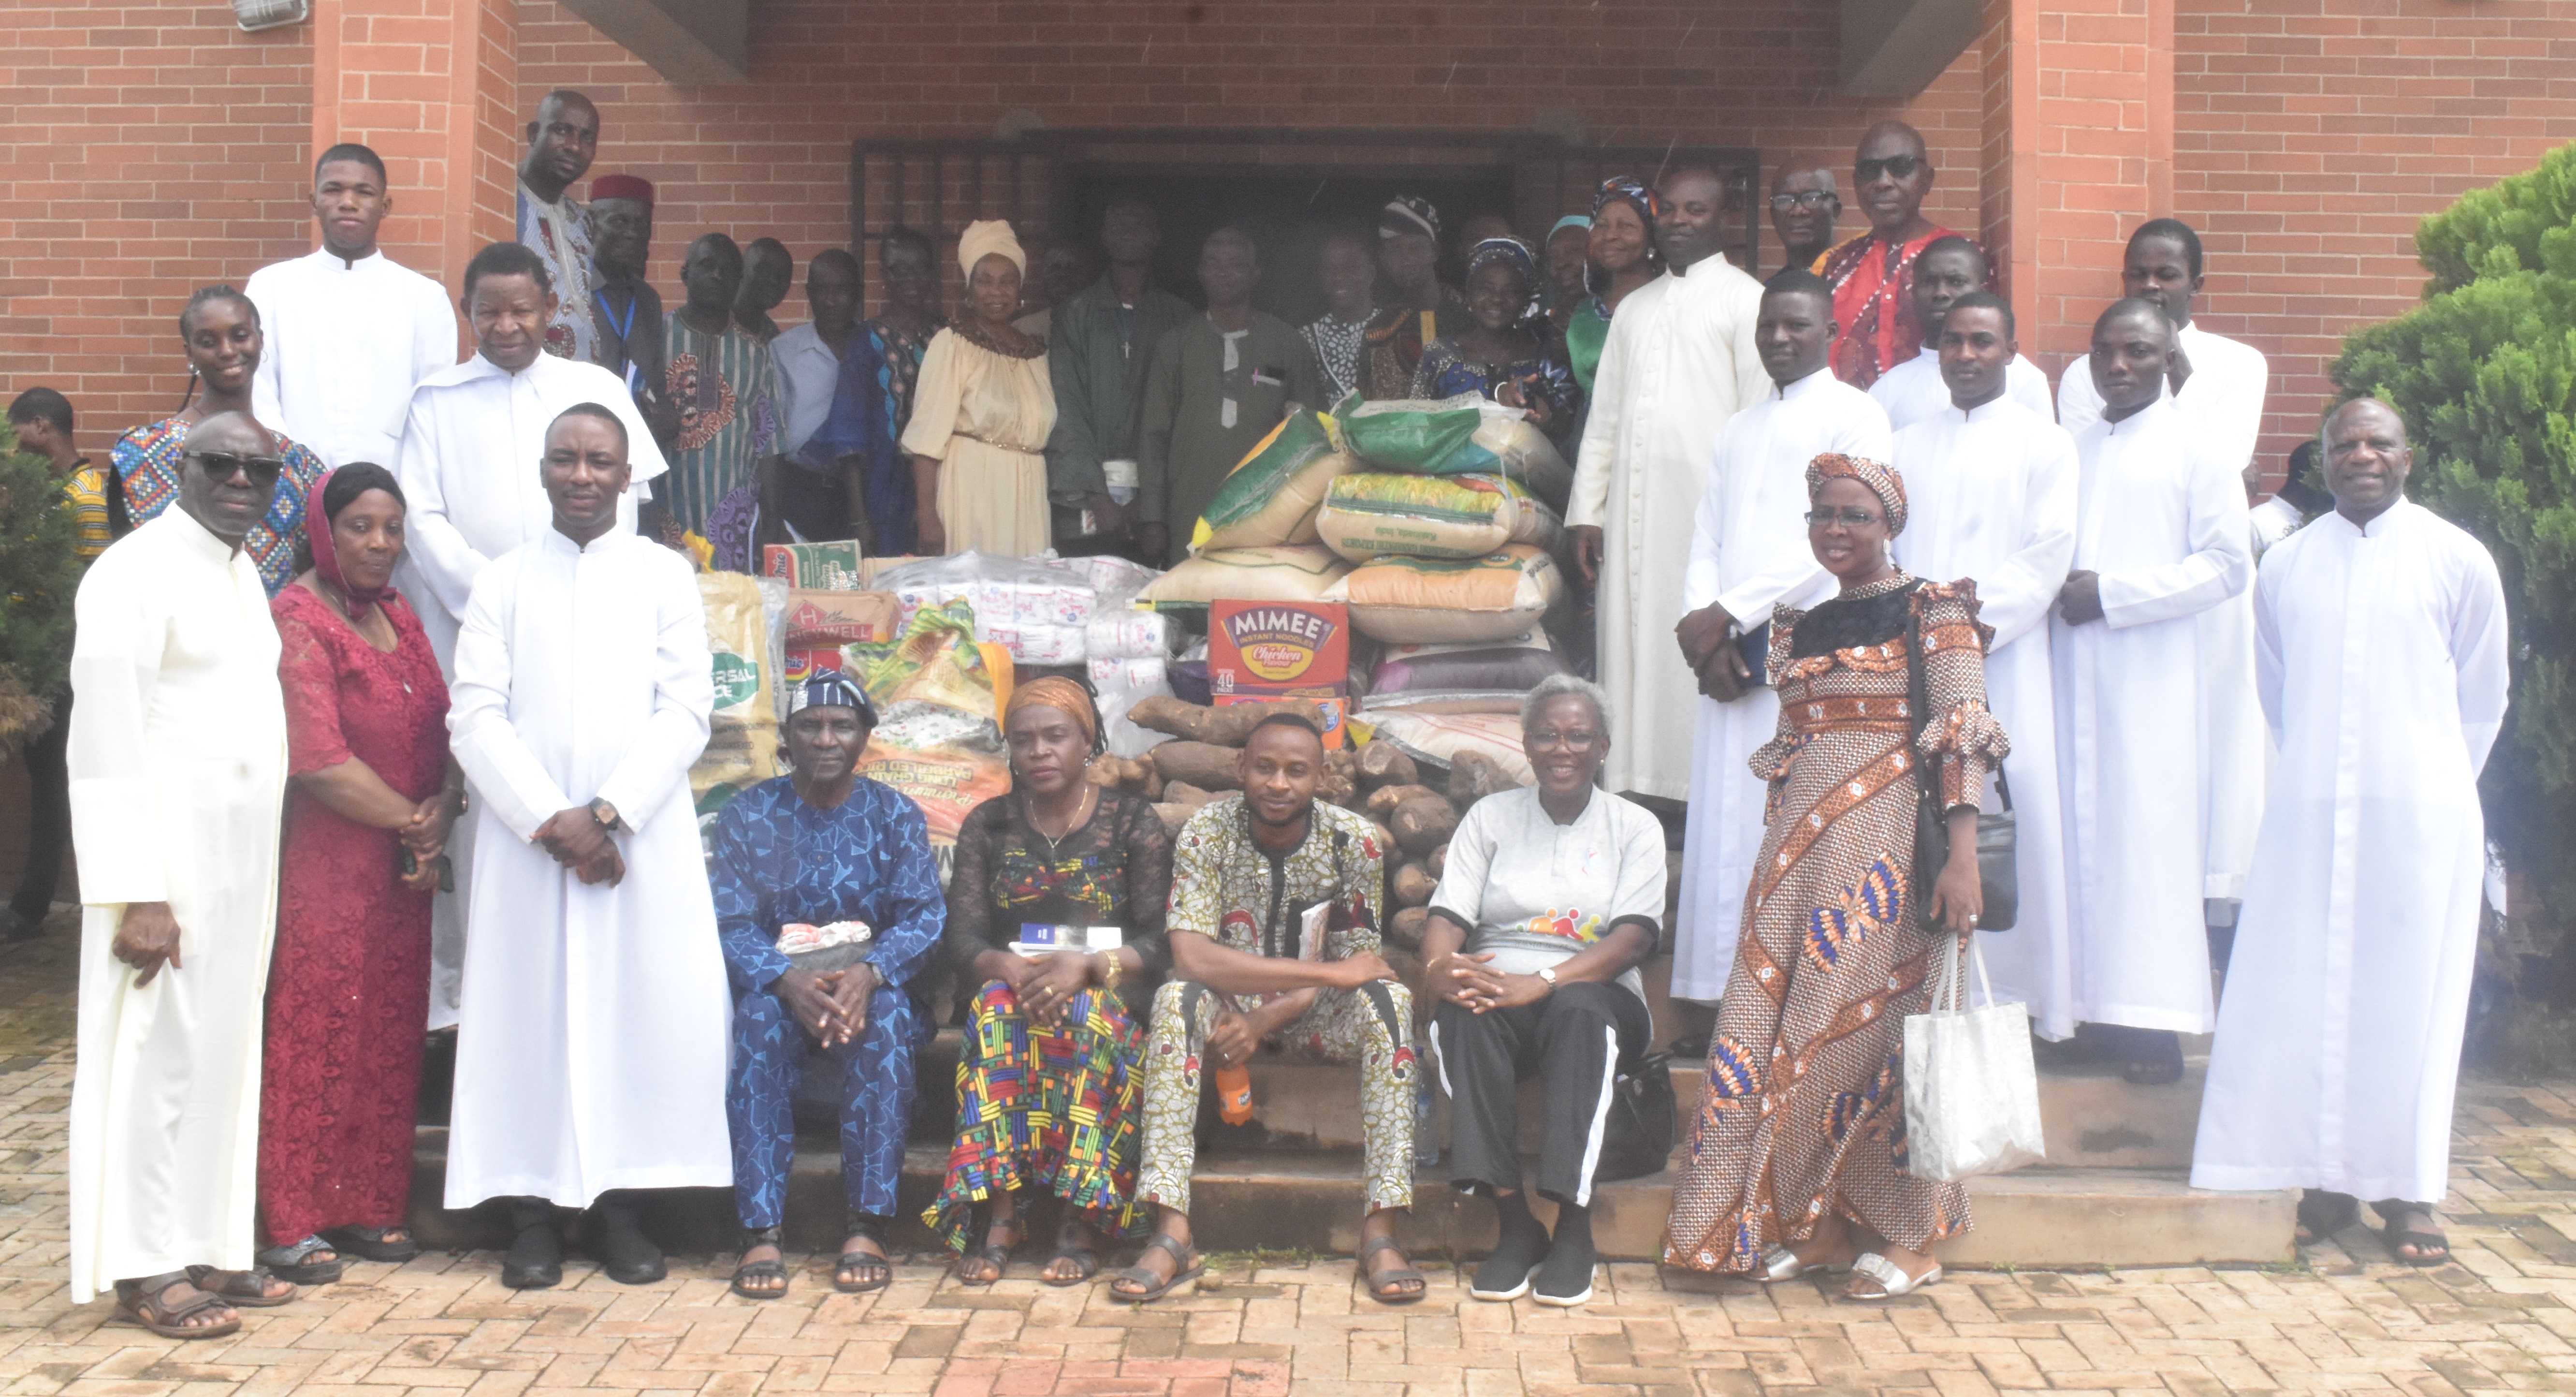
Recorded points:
819,847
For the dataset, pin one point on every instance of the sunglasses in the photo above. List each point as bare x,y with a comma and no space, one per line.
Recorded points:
1848,518
1901,166
1810,199
221,466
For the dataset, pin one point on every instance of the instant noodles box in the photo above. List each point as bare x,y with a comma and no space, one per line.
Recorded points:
1261,650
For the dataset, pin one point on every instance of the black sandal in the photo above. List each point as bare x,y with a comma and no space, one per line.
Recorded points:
1377,1281
1187,1265
1085,1260
992,1253
372,1243
773,1269
294,1261
139,1303
2322,1214
859,1272
2422,1239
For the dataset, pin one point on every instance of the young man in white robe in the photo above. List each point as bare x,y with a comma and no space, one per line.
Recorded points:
178,771
590,1061
1678,363
1749,553
2160,538
348,331
1945,270
1991,486
2218,384
2380,634
471,438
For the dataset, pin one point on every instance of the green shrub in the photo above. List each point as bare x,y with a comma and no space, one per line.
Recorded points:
38,574
2484,372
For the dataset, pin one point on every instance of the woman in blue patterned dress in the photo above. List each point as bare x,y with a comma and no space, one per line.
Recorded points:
1505,353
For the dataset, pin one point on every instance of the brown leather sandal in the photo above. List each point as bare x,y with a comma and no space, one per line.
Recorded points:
140,1303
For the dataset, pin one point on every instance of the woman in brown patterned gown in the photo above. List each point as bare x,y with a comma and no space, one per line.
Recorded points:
1799,1145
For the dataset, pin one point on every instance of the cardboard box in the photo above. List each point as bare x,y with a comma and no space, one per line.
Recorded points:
815,567
1260,650
818,618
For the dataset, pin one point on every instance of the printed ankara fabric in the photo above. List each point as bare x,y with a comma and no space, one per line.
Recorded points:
1805,1105
1045,1107
726,389
1873,284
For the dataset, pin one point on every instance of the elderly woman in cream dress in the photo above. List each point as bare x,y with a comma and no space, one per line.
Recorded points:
981,414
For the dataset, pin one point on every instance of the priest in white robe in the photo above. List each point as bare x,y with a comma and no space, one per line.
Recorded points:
1679,361
1947,269
591,1055
178,772
2218,384
2383,657
1991,489
470,439
2160,538
348,331
1749,554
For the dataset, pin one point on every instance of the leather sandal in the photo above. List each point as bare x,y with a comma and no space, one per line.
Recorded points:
2431,1247
1378,1281
1187,1266
2322,1214
859,1272
139,1303
773,1269
242,1289
392,1244
996,1255
294,1262
1085,1260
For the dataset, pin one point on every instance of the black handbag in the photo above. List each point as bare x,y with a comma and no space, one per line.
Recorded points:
1999,882
1637,1134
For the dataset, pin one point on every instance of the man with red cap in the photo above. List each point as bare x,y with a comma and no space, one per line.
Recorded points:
625,311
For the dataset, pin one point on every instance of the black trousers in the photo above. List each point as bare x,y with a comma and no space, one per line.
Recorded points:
49,818
1574,1039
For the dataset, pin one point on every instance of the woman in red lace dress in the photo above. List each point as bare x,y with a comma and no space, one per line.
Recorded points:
371,800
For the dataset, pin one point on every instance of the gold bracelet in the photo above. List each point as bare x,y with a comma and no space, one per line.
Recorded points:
1109,977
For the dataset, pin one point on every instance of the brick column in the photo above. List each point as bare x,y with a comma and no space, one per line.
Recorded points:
432,86
2079,150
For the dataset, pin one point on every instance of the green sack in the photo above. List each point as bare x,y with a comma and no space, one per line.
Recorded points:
1420,435
1269,498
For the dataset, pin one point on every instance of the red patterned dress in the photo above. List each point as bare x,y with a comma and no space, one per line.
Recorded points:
1805,1105
348,987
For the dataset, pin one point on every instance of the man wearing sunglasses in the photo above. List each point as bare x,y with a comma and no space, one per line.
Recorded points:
178,768
1873,274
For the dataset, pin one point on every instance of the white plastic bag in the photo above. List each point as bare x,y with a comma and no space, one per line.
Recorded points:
1971,1092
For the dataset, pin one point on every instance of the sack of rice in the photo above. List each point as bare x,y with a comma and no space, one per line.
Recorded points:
1464,435
1269,498
1429,516
1460,678
1441,739
1247,574
1432,601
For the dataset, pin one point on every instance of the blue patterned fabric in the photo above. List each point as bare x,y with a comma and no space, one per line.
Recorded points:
871,405
779,860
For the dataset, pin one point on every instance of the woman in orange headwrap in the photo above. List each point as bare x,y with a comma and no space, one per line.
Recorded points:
981,412
1048,1084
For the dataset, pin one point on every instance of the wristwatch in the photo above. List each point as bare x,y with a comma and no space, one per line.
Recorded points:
1548,973
606,815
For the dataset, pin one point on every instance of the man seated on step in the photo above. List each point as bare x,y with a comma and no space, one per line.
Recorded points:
1274,936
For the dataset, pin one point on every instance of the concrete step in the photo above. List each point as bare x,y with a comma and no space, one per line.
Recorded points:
1287,1201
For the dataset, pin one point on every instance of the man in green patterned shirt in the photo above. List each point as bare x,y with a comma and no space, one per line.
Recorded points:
1274,923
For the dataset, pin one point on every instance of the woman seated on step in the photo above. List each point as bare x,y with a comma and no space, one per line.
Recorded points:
1048,1083
1550,899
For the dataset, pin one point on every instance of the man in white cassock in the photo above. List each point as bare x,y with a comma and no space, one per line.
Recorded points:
590,1059
2380,641
2160,537
348,330
178,771
1678,363
1749,553
1990,489
1945,270
471,436
2218,384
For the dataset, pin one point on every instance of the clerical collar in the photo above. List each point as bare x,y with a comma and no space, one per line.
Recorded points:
2143,415
1983,411
2376,528
1800,387
347,264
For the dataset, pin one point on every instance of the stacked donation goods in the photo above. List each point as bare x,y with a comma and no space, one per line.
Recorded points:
743,629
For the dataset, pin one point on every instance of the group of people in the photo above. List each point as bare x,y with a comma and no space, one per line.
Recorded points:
415,620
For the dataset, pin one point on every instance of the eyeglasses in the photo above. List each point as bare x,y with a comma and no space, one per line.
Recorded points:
1901,166
221,466
1571,739
1848,518
1805,199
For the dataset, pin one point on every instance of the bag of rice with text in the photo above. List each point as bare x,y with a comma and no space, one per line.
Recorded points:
1433,601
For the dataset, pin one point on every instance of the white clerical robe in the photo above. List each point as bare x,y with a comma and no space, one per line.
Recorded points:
472,436
591,1054
2161,519
1749,553
2382,652
2274,520
1915,390
178,773
1990,495
2223,399
344,343
1678,362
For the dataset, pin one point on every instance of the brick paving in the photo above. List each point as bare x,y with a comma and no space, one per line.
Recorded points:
2498,1319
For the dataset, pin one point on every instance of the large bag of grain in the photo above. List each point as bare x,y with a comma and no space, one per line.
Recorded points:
1460,678
1247,574
1441,739
1464,435
744,655
1269,498
1430,516
939,696
1432,601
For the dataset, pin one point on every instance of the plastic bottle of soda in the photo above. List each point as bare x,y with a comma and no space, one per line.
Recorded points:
1234,1093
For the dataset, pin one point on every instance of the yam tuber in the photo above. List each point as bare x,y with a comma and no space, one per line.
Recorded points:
1174,816
1383,800
1413,884
1438,862
1385,764
1474,776
1404,929
1208,767
1183,793
1225,725
1423,824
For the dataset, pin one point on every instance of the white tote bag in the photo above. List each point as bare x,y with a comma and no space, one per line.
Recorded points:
1971,1093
